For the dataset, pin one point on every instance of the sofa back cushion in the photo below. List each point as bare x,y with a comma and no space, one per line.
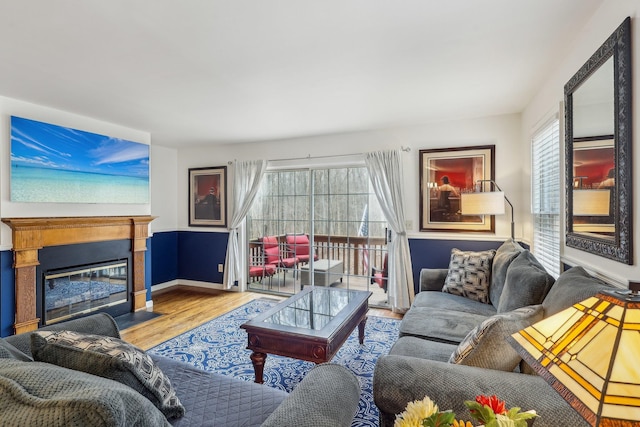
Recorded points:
505,254
527,283
7,351
486,346
572,286
470,274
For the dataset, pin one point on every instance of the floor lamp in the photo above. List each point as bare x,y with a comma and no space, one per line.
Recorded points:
486,203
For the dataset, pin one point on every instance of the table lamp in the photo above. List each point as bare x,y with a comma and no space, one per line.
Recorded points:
589,354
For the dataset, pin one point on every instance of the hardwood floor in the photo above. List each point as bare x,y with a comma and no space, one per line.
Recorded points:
184,308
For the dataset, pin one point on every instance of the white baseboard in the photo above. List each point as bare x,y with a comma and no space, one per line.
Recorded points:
193,284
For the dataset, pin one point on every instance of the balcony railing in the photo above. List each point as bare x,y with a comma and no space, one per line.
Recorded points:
352,251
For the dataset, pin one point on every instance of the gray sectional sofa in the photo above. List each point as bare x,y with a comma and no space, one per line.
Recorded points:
453,348
51,394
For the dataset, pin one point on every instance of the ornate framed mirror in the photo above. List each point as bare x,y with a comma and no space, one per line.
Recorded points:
598,151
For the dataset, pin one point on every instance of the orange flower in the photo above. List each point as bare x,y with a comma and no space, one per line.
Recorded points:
461,423
497,406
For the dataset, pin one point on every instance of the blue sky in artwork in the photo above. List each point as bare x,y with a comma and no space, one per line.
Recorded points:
43,145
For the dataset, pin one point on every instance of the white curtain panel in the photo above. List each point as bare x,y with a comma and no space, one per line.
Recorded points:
386,177
246,182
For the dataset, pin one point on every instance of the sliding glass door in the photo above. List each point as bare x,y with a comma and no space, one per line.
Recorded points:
317,226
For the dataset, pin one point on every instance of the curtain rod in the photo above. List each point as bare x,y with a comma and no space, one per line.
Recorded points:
309,157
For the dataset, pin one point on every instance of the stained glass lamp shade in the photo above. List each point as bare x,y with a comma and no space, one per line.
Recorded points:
589,354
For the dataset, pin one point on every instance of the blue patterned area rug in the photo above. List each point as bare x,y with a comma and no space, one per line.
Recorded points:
220,346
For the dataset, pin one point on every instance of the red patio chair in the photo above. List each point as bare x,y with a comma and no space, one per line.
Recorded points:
380,276
298,247
273,255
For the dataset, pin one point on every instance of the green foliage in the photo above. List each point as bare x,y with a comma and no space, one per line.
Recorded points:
439,419
484,414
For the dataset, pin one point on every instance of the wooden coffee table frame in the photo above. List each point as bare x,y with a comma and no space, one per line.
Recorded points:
312,345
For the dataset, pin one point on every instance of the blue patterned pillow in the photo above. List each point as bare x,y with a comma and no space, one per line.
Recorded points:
470,274
109,358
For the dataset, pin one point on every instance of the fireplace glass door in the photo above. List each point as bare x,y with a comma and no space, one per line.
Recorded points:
79,291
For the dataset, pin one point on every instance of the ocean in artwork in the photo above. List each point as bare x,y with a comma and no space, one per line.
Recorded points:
57,164
29,184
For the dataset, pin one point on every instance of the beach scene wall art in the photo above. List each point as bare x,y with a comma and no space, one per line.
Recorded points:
56,164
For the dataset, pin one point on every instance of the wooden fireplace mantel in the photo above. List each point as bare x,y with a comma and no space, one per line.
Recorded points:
32,234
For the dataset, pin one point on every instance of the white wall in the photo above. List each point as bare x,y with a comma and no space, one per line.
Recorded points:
551,93
11,107
164,189
502,131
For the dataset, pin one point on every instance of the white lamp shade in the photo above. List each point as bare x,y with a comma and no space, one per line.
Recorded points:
591,202
488,203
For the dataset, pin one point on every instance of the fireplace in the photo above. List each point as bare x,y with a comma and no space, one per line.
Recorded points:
36,246
75,280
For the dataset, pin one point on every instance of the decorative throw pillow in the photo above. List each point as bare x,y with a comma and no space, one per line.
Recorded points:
527,283
469,274
109,358
486,346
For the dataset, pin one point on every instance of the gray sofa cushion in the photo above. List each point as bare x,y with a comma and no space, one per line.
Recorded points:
505,254
40,394
439,300
424,349
220,400
469,274
98,324
527,283
572,286
439,324
109,358
326,385
486,346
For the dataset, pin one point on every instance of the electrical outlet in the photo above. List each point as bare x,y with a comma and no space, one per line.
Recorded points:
409,224
220,268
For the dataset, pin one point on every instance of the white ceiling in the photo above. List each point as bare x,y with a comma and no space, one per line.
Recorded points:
194,72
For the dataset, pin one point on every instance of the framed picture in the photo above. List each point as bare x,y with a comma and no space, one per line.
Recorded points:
446,173
208,197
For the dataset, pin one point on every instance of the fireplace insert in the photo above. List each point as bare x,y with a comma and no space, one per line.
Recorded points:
80,291
75,280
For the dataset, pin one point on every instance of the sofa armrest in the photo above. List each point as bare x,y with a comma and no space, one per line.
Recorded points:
398,380
432,279
327,396
96,324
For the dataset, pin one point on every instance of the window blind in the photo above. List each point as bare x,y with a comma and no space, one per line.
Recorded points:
545,193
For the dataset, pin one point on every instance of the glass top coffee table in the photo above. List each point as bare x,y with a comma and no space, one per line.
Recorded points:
311,325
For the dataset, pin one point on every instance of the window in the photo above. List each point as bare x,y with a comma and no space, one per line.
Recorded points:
545,192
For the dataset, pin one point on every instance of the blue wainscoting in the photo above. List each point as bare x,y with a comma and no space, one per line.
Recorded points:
188,255
192,255
164,257
199,254
437,253
7,294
